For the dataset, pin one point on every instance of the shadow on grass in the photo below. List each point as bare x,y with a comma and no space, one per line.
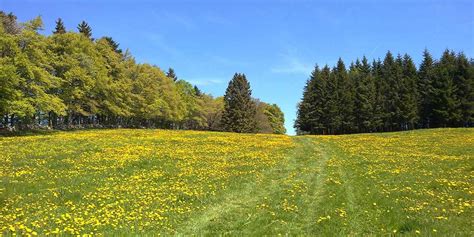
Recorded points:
27,133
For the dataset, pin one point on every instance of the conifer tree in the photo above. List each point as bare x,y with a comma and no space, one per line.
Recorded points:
60,28
85,29
409,94
239,108
445,103
380,87
311,116
425,88
391,75
197,91
326,99
345,95
113,44
171,74
332,104
464,81
364,99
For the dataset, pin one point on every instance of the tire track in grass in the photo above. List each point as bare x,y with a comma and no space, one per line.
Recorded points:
236,212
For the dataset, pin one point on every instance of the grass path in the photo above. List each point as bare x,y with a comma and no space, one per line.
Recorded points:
284,200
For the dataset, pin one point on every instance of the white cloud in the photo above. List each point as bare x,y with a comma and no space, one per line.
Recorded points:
293,65
204,81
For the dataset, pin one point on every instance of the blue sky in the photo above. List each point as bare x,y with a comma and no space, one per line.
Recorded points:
275,43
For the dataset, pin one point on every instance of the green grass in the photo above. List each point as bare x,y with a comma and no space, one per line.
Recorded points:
182,182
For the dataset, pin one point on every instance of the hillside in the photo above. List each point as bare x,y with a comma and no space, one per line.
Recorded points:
181,182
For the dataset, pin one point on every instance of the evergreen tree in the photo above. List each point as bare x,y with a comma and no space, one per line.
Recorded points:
464,81
239,108
445,102
85,29
60,28
380,88
391,75
409,94
114,45
334,121
425,88
310,108
345,95
326,100
197,91
365,96
170,74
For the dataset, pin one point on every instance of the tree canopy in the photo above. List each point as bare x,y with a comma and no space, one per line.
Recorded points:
69,80
389,95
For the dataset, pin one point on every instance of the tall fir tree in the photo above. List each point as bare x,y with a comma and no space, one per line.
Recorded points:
85,29
345,92
197,91
239,108
311,108
60,28
171,74
391,74
334,121
364,99
445,102
113,44
464,81
380,88
409,94
426,77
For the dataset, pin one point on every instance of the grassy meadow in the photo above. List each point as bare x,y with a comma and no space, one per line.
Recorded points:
109,182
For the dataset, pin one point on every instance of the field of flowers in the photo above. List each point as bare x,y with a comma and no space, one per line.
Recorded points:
127,181
419,182
109,182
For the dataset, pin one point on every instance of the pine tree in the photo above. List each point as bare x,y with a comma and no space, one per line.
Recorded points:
392,75
326,99
345,92
239,108
380,88
425,88
59,29
85,29
114,45
197,91
364,99
445,103
313,103
171,74
464,81
334,121
409,94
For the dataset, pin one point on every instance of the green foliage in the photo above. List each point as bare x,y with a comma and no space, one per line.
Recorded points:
239,108
171,74
85,29
60,28
8,23
388,96
276,118
68,80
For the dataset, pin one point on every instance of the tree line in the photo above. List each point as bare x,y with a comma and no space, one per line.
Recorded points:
71,80
388,95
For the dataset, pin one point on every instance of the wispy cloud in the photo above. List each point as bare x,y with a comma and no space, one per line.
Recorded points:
293,65
160,42
205,81
182,20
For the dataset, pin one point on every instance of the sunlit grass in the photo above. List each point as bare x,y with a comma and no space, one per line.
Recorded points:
183,182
